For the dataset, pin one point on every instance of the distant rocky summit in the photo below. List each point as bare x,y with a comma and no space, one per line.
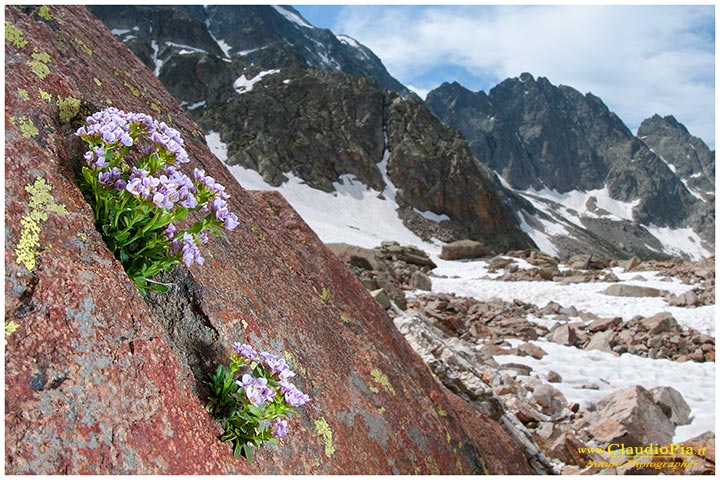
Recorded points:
541,137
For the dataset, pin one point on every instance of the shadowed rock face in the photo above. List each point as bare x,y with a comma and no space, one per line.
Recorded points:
100,380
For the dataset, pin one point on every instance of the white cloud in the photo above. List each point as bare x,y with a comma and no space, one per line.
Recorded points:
640,60
421,92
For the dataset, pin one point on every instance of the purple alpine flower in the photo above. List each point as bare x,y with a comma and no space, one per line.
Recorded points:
279,428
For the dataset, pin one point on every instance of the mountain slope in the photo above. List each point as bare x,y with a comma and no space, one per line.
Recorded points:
687,156
322,127
267,36
568,150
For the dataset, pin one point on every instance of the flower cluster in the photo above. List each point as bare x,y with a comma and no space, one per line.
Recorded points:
137,207
254,405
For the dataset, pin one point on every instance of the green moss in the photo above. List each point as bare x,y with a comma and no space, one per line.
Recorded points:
10,328
14,36
22,93
69,108
381,379
82,45
45,95
44,13
40,204
27,127
322,429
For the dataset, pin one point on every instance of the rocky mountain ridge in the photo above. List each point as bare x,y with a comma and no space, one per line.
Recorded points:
269,37
550,141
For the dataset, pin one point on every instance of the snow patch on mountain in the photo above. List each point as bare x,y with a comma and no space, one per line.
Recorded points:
292,17
593,203
353,213
244,84
679,241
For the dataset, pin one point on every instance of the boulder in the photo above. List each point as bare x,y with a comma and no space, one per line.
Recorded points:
686,299
631,416
549,399
602,341
364,258
101,380
463,249
563,334
672,403
603,324
662,322
420,281
381,297
622,290
554,377
532,350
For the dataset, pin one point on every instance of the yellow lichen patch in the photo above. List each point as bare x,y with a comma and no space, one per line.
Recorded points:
14,36
344,318
44,13
41,203
440,411
45,95
381,379
458,466
322,429
132,89
83,46
39,64
326,296
69,108
295,364
97,82
432,465
374,389
257,233
10,328
381,410
27,127
22,93
155,106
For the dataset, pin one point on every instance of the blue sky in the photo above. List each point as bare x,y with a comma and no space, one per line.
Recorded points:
640,60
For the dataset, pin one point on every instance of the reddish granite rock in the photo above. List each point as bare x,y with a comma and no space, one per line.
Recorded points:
100,380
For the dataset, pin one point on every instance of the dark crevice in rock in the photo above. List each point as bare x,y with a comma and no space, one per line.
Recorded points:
189,329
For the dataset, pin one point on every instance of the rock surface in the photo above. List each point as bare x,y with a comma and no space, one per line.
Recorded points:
463,249
99,380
